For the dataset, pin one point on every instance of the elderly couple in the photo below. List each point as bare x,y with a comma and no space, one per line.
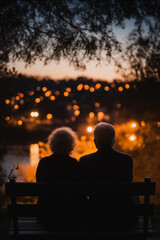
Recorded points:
104,165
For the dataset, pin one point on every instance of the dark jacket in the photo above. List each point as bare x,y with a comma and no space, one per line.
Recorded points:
54,212
108,165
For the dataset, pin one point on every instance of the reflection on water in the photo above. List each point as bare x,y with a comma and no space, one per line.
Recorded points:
34,154
27,158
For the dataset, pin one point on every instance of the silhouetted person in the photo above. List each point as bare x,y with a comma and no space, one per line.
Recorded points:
58,168
107,165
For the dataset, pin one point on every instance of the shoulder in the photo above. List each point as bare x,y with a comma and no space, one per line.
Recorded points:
87,157
73,160
123,156
44,160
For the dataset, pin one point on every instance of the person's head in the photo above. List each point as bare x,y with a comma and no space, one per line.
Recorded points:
62,140
104,135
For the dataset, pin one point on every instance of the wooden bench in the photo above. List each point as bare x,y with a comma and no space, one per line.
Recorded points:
25,226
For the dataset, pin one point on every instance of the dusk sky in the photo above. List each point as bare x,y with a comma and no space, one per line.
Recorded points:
64,70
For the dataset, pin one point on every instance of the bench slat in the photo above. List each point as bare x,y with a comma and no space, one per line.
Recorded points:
79,189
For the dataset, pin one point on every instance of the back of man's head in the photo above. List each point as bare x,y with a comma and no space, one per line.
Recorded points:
104,135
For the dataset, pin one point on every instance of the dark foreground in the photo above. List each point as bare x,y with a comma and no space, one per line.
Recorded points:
4,224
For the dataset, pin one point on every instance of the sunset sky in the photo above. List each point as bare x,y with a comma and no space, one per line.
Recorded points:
64,71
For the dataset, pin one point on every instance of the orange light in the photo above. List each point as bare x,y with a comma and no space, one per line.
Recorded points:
34,114
7,118
89,129
7,101
31,93
83,138
17,98
48,93
77,112
113,85
106,88
91,114
92,89
120,89
44,89
133,125
143,124
38,88
100,116
158,124
52,98
132,138
127,86
75,107
98,86
57,92
20,122
73,119
118,105
21,95
97,104
37,100
66,94
49,116
16,106
21,101
86,87
80,87
68,89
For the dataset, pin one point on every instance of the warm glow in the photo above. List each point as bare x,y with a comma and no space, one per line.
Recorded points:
98,85
20,122
73,119
7,118
7,101
75,107
48,93
38,88
127,86
37,100
31,93
83,138
68,89
106,88
143,124
97,104
158,124
34,154
44,89
16,106
120,89
34,114
133,125
66,94
118,105
100,116
17,98
41,98
21,101
91,114
80,87
90,129
92,89
132,138
77,112
57,92
52,98
69,107
86,87
21,95
49,116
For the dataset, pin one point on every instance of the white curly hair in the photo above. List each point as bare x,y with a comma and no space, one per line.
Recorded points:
62,140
